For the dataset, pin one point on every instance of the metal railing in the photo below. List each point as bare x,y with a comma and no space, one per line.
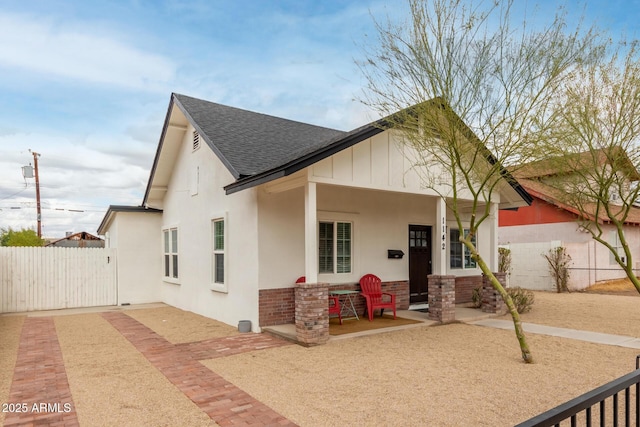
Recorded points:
582,408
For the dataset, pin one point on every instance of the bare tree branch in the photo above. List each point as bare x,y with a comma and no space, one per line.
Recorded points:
469,88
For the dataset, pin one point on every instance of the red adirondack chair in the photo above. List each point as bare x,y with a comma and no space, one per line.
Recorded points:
334,303
371,290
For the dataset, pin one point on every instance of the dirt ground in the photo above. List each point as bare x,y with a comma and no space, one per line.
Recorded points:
614,287
451,375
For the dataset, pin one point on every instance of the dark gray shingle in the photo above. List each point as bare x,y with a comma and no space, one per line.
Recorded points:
251,142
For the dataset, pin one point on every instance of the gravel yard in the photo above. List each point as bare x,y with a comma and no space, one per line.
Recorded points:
451,375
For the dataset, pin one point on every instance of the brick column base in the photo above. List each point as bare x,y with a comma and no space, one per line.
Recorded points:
442,298
312,313
492,301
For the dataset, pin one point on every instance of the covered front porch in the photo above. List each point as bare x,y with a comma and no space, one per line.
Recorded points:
419,319
332,235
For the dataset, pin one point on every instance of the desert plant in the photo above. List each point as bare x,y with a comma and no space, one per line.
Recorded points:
559,261
522,298
476,297
504,260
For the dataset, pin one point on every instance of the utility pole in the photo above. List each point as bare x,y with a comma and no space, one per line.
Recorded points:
35,166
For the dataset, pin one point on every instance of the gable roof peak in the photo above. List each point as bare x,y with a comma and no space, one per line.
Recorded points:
249,142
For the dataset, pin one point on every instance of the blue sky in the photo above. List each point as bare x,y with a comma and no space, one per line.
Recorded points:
86,84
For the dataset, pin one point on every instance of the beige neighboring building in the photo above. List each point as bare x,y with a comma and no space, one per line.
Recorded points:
240,204
78,240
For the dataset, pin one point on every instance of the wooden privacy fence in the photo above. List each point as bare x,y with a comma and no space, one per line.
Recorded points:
38,278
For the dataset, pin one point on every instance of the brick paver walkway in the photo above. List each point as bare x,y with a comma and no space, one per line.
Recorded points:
40,389
225,403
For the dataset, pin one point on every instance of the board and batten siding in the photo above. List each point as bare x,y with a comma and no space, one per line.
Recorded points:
37,278
381,163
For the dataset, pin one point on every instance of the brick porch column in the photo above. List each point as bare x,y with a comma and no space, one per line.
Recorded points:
312,313
442,298
492,302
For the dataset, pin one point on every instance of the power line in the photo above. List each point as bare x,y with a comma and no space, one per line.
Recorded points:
14,194
54,209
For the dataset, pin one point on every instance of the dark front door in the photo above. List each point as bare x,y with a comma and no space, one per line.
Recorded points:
419,261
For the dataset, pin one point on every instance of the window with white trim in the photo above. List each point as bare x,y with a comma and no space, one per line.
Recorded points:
459,254
218,250
171,253
335,241
614,240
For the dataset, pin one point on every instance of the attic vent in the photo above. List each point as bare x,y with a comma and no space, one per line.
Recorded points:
196,140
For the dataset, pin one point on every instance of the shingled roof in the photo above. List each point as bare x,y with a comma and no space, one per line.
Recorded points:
579,161
257,148
251,143
590,212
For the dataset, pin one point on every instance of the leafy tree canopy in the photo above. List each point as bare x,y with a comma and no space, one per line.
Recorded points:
24,237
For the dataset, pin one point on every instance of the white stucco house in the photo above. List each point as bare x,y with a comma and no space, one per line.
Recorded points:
240,204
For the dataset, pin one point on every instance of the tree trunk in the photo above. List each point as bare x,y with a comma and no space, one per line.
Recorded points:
634,279
522,339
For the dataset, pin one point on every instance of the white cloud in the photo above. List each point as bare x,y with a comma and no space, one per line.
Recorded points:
74,177
41,46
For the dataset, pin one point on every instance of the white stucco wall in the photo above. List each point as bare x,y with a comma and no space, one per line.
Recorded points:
281,220
529,269
380,220
564,231
135,236
374,186
591,262
265,230
194,198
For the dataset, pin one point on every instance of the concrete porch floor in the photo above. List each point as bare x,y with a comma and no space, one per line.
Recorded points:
463,314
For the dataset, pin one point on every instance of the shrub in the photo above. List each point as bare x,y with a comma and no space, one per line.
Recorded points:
559,261
476,297
522,298
504,260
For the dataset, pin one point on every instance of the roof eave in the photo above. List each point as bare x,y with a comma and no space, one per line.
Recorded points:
471,136
156,159
305,161
114,209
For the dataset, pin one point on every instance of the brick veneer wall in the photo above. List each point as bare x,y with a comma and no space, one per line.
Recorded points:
399,288
465,286
277,306
442,298
312,313
492,301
